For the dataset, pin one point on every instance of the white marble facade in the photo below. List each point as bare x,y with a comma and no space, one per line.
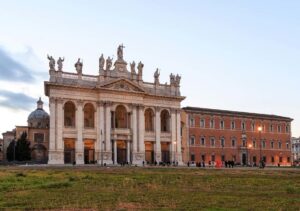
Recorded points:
113,117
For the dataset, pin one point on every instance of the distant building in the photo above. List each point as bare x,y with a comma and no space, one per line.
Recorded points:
296,149
8,137
1,149
220,135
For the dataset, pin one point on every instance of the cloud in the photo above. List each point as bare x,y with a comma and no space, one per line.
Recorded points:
16,100
13,70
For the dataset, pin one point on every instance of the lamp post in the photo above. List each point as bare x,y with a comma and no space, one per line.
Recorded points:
248,151
260,157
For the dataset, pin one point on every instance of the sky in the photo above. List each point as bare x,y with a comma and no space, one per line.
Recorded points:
234,55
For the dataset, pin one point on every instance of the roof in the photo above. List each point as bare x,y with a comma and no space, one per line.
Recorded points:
212,111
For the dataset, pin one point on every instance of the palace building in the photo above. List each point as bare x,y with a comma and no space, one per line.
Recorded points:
245,138
113,117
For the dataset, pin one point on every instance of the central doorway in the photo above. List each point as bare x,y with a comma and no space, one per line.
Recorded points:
121,152
69,151
165,152
244,159
89,151
149,152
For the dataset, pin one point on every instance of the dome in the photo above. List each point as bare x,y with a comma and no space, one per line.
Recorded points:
38,118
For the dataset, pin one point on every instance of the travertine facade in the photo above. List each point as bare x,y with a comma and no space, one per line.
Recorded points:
113,117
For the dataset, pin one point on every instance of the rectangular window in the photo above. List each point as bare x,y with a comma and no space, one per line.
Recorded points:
287,145
279,128
39,137
233,142
253,126
232,125
192,140
254,159
223,158
272,144
192,122
279,145
222,142
202,123
265,159
272,159
192,157
263,144
287,129
212,142
212,123
243,126
271,128
280,159
254,144
222,124
244,143
202,141
288,159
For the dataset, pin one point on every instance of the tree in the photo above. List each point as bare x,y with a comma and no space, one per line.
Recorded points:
10,152
23,151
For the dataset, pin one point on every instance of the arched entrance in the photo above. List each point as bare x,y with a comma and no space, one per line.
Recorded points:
89,151
165,152
69,151
149,152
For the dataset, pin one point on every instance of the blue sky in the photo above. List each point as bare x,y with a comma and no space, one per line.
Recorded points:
235,55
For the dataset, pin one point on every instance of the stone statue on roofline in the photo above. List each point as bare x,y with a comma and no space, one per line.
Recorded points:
132,67
140,68
51,62
60,63
172,79
78,66
156,76
108,63
178,78
120,52
101,62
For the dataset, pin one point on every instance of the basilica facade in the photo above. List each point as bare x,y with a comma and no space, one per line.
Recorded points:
113,117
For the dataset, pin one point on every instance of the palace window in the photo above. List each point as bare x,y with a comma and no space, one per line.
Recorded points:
272,144
192,122
202,123
243,126
223,158
279,144
192,157
203,157
253,126
222,142
288,159
222,124
287,129
192,140
263,144
232,125
233,142
244,143
272,159
287,145
279,129
254,144
271,128
212,142
212,123
202,139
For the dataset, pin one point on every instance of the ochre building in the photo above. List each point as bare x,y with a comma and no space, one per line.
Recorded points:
245,138
113,117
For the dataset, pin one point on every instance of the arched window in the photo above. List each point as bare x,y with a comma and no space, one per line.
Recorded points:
89,116
121,117
149,116
69,114
165,121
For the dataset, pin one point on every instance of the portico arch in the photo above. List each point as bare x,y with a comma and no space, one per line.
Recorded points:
165,120
149,120
69,114
121,117
89,115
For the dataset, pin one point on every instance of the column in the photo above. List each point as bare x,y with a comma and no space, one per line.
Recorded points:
157,135
79,146
107,154
173,135
115,152
52,131
59,127
134,134
128,151
141,133
98,134
179,152
101,118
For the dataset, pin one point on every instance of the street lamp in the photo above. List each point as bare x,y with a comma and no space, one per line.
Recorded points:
248,150
260,157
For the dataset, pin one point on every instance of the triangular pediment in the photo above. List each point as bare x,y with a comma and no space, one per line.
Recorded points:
122,85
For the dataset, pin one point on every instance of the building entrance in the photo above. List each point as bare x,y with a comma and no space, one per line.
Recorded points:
149,152
121,152
69,151
244,159
165,152
89,151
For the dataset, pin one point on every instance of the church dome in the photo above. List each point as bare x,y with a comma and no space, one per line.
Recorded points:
38,118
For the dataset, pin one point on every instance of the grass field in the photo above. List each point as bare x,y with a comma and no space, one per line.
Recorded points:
149,188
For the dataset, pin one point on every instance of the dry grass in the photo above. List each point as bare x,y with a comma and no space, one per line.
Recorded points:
149,188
